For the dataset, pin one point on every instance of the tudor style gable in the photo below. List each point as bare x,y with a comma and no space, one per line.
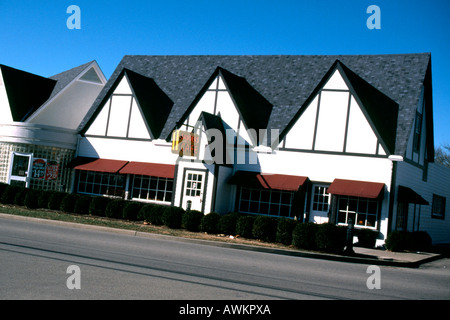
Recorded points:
341,116
241,108
136,108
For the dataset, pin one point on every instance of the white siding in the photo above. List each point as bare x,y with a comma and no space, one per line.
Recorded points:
301,134
118,116
437,182
336,82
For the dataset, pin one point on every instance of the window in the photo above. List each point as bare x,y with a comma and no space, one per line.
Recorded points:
321,199
152,188
194,185
269,202
101,183
362,211
417,132
438,207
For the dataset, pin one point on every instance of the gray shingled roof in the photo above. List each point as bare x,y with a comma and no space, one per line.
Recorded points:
286,81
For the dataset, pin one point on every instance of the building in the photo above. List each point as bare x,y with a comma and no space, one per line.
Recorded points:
339,139
39,118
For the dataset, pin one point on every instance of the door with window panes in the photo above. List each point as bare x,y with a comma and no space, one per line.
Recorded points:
194,186
320,203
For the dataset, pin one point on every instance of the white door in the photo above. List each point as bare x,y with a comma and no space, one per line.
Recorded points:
320,204
20,169
194,186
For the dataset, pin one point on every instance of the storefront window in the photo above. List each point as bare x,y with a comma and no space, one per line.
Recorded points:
362,211
269,202
152,188
101,183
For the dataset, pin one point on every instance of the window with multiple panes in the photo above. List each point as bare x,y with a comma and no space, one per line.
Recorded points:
417,132
321,198
362,211
152,188
438,207
101,183
194,184
269,202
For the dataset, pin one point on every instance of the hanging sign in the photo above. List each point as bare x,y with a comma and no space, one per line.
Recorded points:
38,169
185,143
52,170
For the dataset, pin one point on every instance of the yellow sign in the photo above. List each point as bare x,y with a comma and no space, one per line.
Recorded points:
185,143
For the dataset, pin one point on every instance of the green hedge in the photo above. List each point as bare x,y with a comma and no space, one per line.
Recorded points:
82,204
227,223
192,220
55,199
31,200
172,217
97,207
408,241
244,226
114,208
68,202
131,210
285,229
265,228
367,238
331,238
9,194
304,236
152,213
209,222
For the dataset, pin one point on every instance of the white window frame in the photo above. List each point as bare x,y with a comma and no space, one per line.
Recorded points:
358,211
139,184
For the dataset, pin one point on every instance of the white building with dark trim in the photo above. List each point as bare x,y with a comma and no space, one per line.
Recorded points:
313,138
39,118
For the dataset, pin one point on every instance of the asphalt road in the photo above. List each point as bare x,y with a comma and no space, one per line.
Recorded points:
36,260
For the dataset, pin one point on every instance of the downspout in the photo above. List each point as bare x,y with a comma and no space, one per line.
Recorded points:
394,160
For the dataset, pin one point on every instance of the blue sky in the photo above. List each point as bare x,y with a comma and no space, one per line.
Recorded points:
35,37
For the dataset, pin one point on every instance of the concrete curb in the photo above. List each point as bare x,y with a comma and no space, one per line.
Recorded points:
357,258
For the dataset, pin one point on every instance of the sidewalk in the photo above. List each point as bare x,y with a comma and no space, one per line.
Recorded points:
361,255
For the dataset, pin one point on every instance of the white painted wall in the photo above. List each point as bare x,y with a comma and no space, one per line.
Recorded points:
437,182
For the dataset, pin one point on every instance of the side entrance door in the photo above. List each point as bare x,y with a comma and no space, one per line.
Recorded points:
194,187
20,169
320,202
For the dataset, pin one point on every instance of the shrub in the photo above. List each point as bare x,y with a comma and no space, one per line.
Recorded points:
9,194
31,199
192,220
54,200
367,238
152,213
19,198
331,238
98,205
114,208
227,223
82,204
244,226
265,228
285,228
304,235
421,241
209,222
172,217
3,186
131,210
68,202
402,240
43,199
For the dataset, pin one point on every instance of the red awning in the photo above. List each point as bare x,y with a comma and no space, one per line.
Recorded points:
267,181
363,189
100,165
149,169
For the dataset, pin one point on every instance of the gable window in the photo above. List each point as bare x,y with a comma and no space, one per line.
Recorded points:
417,132
438,207
362,211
